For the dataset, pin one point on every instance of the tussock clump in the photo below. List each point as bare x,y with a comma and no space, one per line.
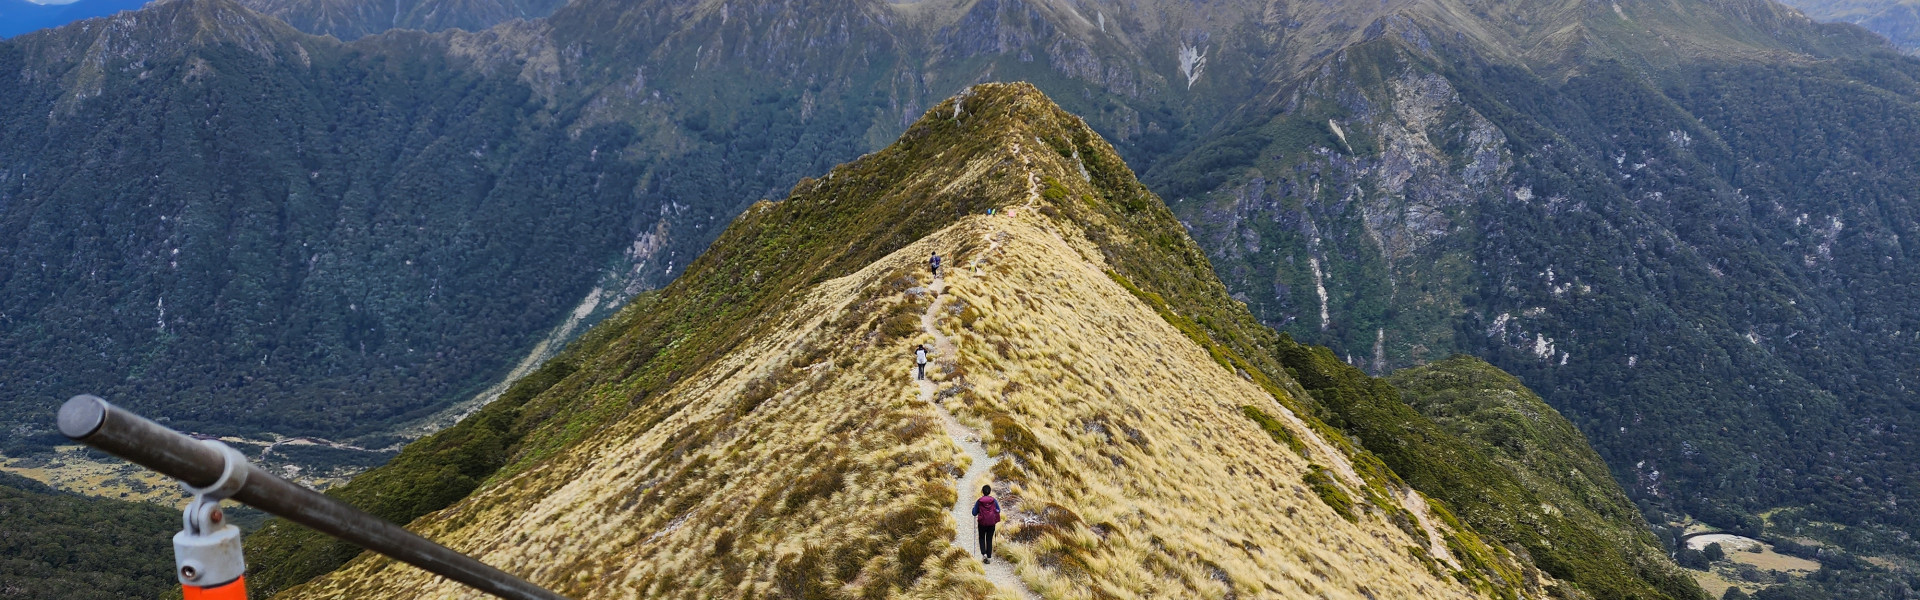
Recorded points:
1009,436
968,316
901,321
803,576
912,428
819,484
1275,428
1052,519
1329,492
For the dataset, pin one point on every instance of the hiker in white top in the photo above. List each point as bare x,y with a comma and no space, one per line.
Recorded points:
920,360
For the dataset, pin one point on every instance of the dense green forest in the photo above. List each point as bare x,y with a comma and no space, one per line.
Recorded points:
56,544
1773,297
410,221
247,248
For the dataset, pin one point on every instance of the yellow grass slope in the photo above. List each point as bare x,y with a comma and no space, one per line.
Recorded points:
802,463
1155,486
1148,481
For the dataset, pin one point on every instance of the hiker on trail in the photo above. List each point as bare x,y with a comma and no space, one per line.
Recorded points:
933,264
920,361
986,514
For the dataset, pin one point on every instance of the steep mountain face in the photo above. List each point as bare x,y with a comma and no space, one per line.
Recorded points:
755,428
242,229
352,19
1898,20
1676,251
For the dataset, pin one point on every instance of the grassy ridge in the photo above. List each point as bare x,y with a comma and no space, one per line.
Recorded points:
754,269
870,208
1154,258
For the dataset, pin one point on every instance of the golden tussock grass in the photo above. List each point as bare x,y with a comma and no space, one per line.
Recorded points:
797,466
802,466
1135,473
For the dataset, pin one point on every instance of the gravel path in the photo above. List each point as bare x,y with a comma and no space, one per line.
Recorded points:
1000,573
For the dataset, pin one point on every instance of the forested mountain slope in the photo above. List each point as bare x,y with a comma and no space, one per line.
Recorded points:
1497,416
1696,206
61,545
239,228
1701,266
351,19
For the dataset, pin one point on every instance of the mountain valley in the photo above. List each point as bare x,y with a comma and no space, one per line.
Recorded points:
1683,224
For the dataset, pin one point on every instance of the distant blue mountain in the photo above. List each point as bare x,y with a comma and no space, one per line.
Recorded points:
20,16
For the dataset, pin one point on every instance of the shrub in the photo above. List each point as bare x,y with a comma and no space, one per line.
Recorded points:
1015,439
820,484
1323,485
1276,429
803,575
902,321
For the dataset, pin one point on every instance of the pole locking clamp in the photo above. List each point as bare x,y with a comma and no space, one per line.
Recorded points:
207,553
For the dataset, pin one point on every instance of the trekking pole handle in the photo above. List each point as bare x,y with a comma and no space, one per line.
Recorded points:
92,421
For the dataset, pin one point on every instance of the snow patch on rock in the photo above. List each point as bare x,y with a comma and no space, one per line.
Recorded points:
1193,61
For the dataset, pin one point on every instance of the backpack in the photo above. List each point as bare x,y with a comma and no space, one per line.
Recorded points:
989,511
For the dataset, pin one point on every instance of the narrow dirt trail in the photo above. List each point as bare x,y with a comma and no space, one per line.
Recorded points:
1033,178
1000,573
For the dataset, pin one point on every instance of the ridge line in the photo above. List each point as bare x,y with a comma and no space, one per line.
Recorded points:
969,441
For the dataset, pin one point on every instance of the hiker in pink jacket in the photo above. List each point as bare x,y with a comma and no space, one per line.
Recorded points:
986,514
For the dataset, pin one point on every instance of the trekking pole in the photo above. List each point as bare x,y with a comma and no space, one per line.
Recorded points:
207,551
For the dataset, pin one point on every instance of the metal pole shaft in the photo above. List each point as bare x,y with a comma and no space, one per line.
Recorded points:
93,421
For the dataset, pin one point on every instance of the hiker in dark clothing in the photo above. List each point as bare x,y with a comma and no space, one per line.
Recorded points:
933,264
920,361
986,514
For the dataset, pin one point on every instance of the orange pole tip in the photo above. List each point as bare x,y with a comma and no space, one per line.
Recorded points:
232,590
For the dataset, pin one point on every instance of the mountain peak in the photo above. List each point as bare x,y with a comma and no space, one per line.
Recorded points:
757,428
171,27
84,56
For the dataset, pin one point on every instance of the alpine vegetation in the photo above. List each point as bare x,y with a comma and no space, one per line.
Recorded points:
757,429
